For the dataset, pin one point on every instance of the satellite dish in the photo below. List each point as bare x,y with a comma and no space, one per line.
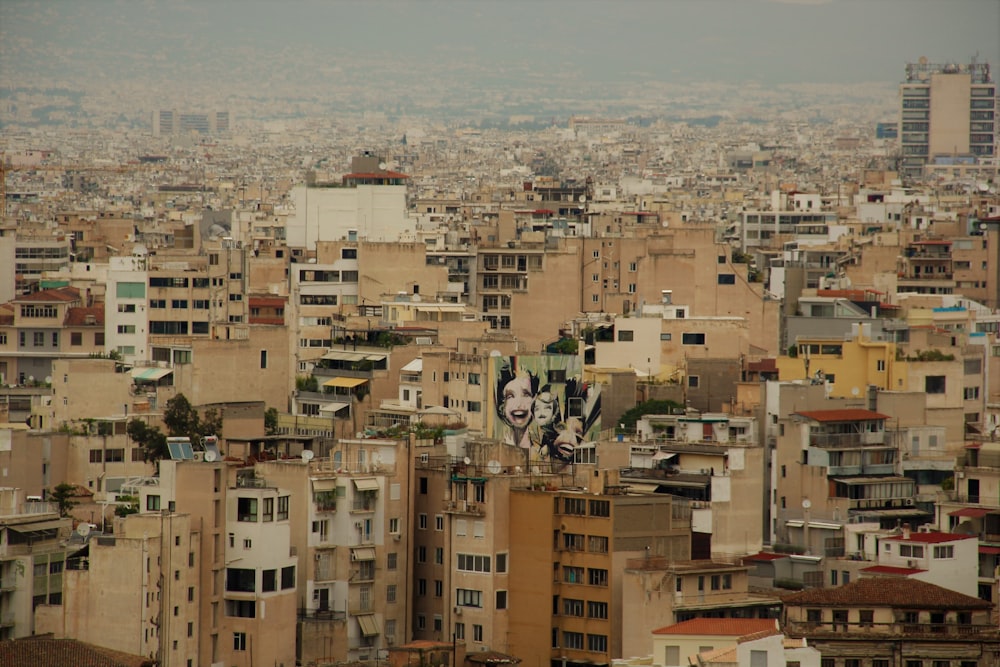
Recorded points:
494,467
382,166
83,529
307,455
583,198
48,379
806,504
466,460
855,391
495,353
210,456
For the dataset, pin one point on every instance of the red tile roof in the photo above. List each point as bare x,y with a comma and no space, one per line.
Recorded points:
764,556
893,592
51,652
890,569
732,627
973,512
77,317
932,538
56,294
847,415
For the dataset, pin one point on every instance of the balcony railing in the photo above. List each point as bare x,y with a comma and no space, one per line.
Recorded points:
463,507
911,629
321,615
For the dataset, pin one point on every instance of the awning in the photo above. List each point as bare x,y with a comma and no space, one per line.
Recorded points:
333,407
150,373
415,366
992,551
971,512
366,484
321,485
345,355
363,553
642,488
344,382
664,456
369,625
38,527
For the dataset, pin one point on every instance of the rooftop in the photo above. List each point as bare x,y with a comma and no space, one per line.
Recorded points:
901,593
731,627
845,415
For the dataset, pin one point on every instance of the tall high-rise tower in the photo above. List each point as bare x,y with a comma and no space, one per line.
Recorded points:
946,110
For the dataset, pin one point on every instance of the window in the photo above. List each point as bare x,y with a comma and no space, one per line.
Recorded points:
239,641
693,381
421,554
597,544
153,503
693,339
96,456
439,555
597,643
465,597
439,522
947,551
390,593
282,508
241,608
438,587
911,551
75,338
269,582
866,617
422,522
934,384
576,506
597,576
880,365
727,278
241,580
597,610
814,615
501,563
473,563
287,577
246,509
600,508
501,602
625,335
572,640
268,514
477,632
572,575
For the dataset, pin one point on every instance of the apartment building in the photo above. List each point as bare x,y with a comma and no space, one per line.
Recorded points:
588,537
945,109
32,560
949,560
167,122
352,512
245,560
39,328
149,567
884,622
702,640
658,592
715,462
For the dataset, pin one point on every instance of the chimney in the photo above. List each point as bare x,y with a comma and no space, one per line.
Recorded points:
906,531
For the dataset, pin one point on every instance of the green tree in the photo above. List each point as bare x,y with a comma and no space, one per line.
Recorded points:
150,438
271,421
127,505
182,419
62,495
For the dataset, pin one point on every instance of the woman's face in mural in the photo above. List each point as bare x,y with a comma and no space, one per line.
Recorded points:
517,401
569,436
545,409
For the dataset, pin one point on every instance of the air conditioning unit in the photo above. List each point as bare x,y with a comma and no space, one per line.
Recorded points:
912,564
909,502
199,456
458,611
396,537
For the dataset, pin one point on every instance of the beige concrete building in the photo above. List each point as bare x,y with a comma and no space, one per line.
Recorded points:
149,566
32,560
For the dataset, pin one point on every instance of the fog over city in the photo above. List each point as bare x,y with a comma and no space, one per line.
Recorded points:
475,58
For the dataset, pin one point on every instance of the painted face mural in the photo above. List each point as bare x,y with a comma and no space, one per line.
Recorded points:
542,405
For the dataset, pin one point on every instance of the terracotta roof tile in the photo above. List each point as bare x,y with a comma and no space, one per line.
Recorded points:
54,295
77,317
897,593
732,627
932,538
892,569
847,415
51,652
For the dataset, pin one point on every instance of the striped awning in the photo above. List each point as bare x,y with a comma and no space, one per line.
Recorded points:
150,373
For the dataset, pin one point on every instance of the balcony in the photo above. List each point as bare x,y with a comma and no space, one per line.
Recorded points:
321,615
463,507
830,629
846,440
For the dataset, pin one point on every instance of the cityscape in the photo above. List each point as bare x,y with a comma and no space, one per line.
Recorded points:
563,334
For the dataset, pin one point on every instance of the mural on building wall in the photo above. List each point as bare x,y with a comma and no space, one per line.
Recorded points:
543,405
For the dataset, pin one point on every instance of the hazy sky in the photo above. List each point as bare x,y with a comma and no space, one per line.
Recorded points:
774,41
